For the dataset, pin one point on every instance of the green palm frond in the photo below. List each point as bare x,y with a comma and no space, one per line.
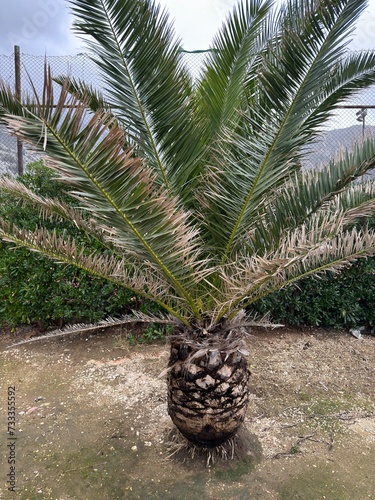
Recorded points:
307,192
291,88
140,60
350,74
313,38
232,65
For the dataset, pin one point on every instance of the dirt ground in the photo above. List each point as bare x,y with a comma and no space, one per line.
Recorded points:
91,421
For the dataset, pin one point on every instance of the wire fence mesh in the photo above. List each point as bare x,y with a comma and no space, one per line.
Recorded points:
352,121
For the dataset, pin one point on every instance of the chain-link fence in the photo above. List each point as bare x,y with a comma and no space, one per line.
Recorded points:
8,144
350,122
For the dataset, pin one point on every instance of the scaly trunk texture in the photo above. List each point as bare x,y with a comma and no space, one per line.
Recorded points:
207,386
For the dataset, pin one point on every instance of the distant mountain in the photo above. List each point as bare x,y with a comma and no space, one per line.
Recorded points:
320,152
331,142
8,153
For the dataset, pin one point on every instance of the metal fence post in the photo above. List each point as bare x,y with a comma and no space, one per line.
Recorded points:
17,73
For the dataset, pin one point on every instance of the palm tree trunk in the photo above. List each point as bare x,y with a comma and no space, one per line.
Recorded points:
207,387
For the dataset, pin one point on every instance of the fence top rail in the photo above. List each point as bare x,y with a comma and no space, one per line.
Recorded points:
356,106
353,106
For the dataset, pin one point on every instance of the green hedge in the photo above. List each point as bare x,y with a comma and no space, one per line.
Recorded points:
338,300
33,289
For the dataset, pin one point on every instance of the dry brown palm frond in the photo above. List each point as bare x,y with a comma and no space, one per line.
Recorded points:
299,256
357,202
50,209
136,317
140,277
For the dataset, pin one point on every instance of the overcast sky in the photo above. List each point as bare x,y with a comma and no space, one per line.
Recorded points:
44,26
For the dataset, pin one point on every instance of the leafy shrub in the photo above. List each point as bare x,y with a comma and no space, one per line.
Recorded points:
338,300
342,299
150,334
35,290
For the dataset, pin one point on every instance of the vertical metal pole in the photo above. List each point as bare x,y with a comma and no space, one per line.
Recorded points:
363,127
364,113
17,73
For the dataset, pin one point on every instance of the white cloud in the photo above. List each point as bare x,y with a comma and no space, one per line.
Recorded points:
37,26
44,26
197,21
364,37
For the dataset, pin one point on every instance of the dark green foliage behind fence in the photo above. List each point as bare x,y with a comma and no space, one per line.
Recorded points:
35,290
337,300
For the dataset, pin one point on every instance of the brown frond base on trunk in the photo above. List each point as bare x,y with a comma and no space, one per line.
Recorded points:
207,386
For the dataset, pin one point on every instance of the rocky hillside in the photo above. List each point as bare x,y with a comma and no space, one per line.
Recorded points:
333,141
8,153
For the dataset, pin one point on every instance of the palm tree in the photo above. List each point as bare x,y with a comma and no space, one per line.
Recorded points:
195,188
